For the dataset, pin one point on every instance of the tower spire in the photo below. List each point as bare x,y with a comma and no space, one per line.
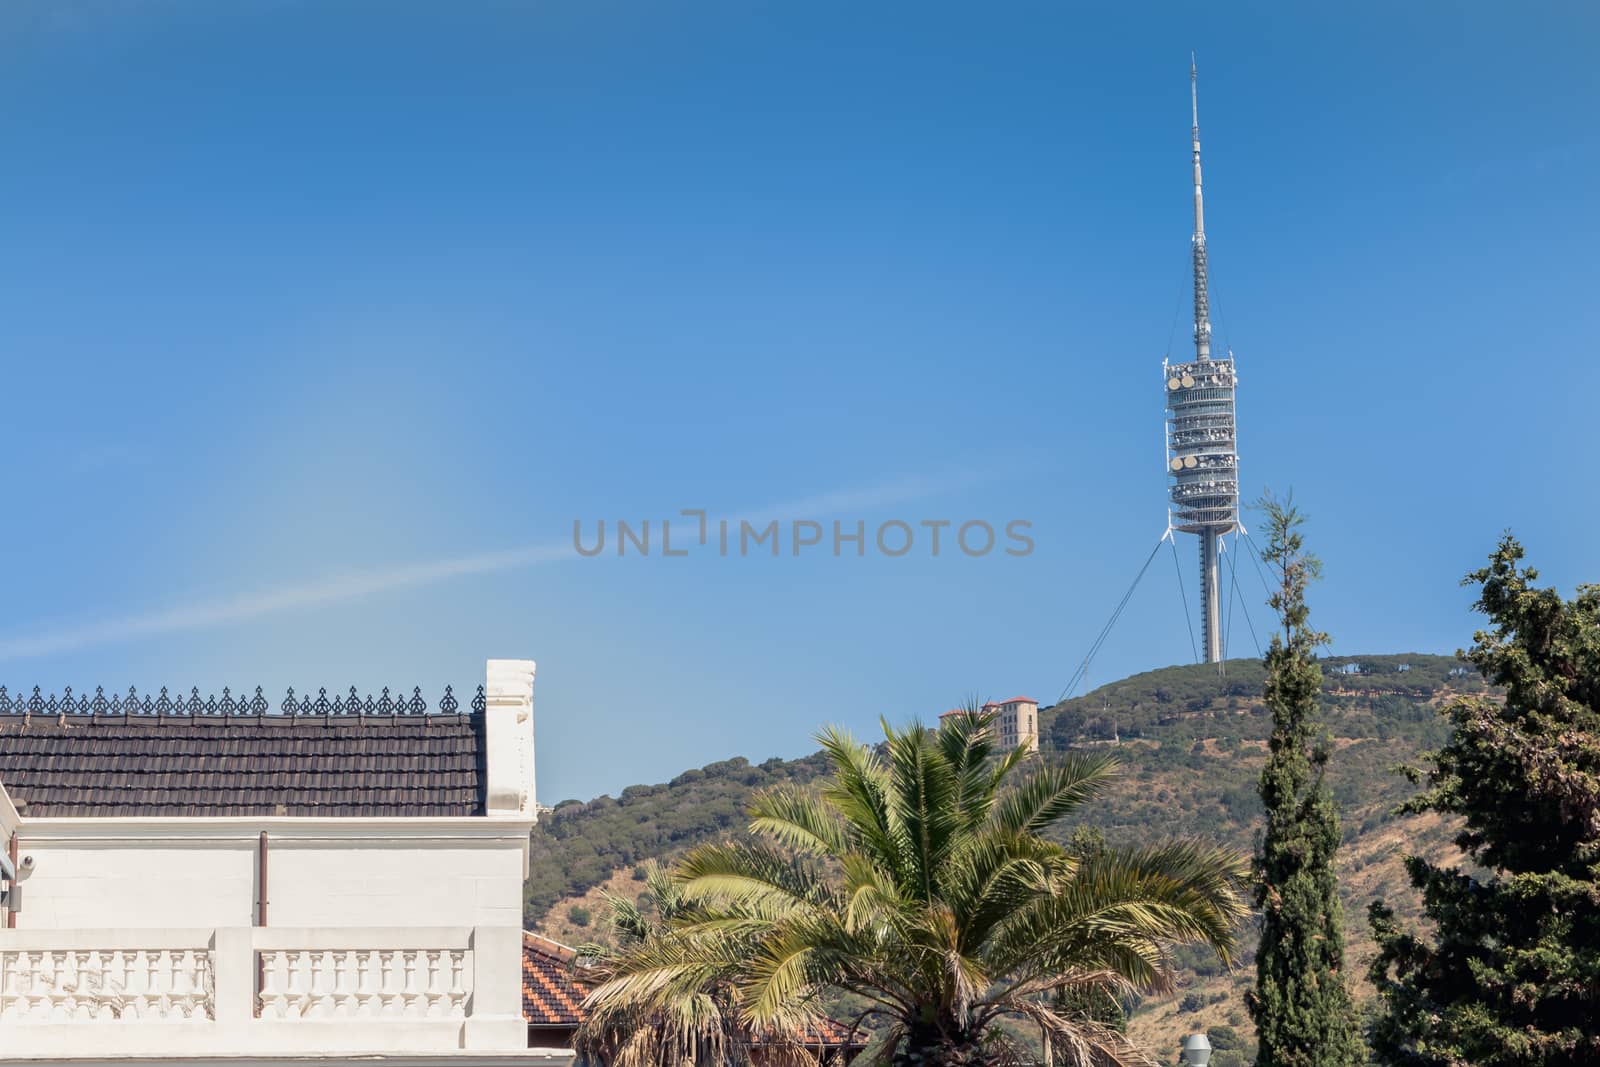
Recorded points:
1202,301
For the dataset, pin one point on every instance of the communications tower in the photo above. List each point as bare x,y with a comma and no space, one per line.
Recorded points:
1202,454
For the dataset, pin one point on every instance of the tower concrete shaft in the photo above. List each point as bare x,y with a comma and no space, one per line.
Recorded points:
1210,597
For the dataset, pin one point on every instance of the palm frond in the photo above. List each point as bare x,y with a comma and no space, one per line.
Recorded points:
859,792
872,899
1080,1042
967,744
923,802
663,889
801,820
626,918
1201,886
749,872
1125,908
779,972
995,874
1053,792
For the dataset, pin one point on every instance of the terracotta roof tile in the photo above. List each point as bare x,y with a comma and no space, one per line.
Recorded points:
830,1033
551,994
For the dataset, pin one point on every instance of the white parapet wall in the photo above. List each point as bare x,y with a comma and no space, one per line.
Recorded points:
178,872
383,934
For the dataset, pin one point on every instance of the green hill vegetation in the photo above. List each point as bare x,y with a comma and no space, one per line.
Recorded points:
581,845
1191,745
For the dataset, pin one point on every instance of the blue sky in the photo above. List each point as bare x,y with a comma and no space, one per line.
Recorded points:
321,325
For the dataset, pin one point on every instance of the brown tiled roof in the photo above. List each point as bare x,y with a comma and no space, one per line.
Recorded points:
551,994
133,765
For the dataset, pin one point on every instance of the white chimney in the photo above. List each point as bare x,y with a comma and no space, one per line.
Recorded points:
508,737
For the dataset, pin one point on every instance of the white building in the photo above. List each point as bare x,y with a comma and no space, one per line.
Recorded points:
1016,721
217,882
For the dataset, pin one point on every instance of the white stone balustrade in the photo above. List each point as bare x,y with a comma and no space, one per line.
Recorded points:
81,983
244,990
378,980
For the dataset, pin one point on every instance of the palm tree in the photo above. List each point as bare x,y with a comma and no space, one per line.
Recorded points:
919,882
697,1029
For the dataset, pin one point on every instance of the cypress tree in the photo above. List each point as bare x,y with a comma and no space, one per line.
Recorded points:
1510,974
1301,1006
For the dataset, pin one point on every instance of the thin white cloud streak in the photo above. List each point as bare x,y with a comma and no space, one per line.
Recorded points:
353,586
204,614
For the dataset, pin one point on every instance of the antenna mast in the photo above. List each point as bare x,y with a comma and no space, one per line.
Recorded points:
1202,303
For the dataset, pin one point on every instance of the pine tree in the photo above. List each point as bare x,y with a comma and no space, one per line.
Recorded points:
1301,1006
1510,974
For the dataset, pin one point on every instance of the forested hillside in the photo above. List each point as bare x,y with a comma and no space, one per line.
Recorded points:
580,845
1191,744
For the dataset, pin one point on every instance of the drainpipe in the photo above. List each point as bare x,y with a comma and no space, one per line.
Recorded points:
261,920
261,881
11,905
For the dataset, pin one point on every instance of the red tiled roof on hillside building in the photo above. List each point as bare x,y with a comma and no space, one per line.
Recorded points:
832,1034
551,994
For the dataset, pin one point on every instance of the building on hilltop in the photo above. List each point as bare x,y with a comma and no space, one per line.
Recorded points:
1016,721
331,882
